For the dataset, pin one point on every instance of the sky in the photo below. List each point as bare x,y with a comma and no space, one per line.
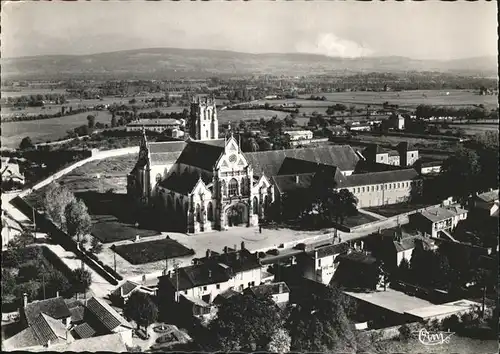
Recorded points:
419,30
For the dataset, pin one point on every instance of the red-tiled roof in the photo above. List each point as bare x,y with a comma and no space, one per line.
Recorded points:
84,330
106,314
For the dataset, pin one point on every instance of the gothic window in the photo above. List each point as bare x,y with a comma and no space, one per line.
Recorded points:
223,187
233,187
198,213
210,212
255,206
243,186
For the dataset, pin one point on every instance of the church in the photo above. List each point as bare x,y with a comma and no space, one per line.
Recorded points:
206,183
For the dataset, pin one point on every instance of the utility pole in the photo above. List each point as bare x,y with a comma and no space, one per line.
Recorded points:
176,267
34,222
114,257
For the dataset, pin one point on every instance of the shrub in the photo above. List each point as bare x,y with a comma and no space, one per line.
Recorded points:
404,332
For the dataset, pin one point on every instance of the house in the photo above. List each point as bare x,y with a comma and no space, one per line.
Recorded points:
297,135
10,171
428,166
356,269
215,274
437,220
279,292
154,125
486,202
396,122
122,292
335,130
358,127
321,263
58,321
403,155
395,244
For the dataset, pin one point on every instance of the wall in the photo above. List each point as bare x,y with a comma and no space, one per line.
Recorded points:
96,155
382,194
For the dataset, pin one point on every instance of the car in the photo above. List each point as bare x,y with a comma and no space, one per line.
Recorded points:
300,246
273,252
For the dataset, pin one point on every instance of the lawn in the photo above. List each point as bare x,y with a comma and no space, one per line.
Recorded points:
358,219
236,115
108,229
395,209
456,345
152,251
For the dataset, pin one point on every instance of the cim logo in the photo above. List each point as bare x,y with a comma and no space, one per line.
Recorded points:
434,338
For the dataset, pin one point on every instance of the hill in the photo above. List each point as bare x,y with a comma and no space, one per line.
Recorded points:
164,63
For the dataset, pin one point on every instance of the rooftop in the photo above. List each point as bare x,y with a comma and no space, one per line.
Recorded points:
449,308
106,314
154,122
442,213
370,178
54,307
391,300
269,289
489,197
330,250
107,343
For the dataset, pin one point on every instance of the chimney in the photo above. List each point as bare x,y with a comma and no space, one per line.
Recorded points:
25,299
242,245
297,179
234,249
57,293
48,343
281,288
225,249
209,253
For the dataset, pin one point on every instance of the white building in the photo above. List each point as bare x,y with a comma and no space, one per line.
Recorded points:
154,125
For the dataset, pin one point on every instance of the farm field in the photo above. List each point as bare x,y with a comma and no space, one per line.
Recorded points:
472,129
46,129
411,99
237,115
152,251
32,91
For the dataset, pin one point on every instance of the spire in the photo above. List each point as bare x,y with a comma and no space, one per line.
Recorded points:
144,140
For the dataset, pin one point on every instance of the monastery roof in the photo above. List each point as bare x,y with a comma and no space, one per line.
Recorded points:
286,183
292,166
154,122
183,183
166,146
363,179
269,162
199,154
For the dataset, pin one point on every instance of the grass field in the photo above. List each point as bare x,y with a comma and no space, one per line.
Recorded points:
472,129
46,129
457,345
238,115
152,251
32,91
108,229
411,99
358,219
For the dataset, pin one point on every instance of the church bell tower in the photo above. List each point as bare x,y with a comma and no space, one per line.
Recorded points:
203,119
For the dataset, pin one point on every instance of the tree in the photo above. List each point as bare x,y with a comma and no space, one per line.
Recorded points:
280,342
245,323
78,222
26,144
96,246
56,198
22,240
460,174
141,308
113,120
57,282
91,121
321,323
83,280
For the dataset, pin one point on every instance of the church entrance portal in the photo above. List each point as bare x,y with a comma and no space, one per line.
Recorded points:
237,215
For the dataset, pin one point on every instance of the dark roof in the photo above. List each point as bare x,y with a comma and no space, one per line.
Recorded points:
166,146
77,314
375,149
363,179
330,250
84,330
215,142
164,158
24,339
286,183
106,314
47,328
199,275
201,155
441,213
269,162
239,261
184,183
365,166
432,163
358,257
292,166
222,297
269,289
55,307
127,287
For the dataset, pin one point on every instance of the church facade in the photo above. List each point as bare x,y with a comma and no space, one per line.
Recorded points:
205,184
200,184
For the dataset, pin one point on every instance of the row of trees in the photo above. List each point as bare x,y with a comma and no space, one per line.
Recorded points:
479,112
34,100
70,215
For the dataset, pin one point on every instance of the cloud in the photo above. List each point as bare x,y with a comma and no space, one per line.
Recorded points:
331,45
